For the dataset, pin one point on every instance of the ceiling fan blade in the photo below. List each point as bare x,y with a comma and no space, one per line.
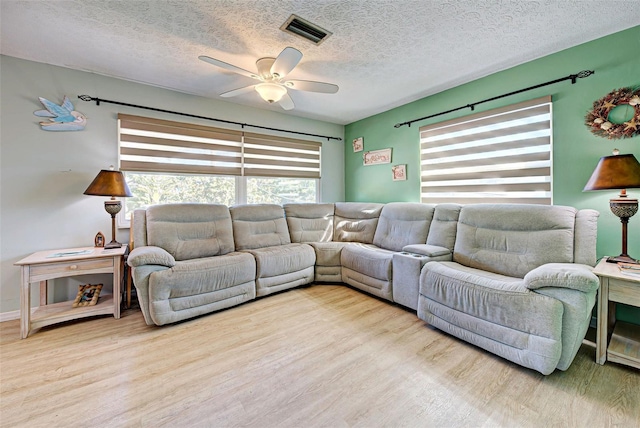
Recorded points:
286,102
238,91
228,67
286,61
307,85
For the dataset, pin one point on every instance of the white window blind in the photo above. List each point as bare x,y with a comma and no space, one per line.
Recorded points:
154,145
268,156
499,156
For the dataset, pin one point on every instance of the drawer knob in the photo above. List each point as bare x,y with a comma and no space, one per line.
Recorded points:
73,267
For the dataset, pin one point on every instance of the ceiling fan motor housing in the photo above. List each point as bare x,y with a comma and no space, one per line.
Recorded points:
264,68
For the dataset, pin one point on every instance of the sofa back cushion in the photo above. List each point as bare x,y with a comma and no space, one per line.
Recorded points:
138,229
444,226
513,239
190,231
586,236
403,223
310,222
356,221
259,226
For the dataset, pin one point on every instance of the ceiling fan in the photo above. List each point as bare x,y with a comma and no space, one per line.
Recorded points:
273,86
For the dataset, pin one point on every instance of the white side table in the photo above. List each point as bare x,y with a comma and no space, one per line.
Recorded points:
45,265
624,347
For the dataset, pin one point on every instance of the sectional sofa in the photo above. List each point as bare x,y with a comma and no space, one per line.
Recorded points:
515,280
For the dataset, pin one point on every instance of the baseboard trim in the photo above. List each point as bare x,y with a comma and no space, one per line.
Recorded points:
12,315
9,316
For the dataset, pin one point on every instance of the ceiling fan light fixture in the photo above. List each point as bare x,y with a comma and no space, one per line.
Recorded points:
270,92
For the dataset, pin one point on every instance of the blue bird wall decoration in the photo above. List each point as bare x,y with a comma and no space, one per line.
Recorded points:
61,117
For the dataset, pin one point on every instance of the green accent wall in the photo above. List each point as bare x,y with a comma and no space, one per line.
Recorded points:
576,150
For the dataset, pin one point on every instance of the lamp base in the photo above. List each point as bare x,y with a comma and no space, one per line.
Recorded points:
622,259
112,244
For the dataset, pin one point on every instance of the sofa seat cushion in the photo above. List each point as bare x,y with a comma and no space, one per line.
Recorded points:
282,267
368,259
197,276
328,267
500,300
328,253
197,286
282,259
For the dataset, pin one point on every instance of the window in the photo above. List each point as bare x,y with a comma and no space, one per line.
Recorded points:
170,162
498,156
152,189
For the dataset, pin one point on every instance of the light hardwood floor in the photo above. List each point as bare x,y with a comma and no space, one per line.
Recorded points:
317,356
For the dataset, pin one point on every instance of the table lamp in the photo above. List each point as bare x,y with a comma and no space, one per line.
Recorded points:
110,183
618,172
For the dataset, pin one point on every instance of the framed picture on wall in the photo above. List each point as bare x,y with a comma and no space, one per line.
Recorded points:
399,172
358,144
375,157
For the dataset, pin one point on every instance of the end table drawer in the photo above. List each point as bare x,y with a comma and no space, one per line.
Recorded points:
624,292
41,272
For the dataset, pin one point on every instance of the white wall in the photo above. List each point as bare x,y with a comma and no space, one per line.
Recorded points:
43,174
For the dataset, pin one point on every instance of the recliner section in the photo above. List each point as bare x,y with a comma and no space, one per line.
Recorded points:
514,287
262,231
186,264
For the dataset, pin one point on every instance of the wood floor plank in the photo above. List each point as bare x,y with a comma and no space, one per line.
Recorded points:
325,356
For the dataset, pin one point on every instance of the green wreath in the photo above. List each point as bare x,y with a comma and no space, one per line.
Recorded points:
598,118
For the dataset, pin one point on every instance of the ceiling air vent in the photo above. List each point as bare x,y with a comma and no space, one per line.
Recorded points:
305,29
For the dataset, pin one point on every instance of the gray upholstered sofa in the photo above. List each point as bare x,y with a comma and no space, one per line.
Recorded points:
513,279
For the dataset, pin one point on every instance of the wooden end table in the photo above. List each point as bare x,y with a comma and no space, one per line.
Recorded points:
624,347
42,266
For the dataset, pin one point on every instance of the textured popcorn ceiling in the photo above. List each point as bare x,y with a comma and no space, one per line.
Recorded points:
382,54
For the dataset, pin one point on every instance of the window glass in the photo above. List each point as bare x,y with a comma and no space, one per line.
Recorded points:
281,190
153,189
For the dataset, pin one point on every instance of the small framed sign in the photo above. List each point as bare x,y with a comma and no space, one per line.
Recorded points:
399,172
358,144
375,157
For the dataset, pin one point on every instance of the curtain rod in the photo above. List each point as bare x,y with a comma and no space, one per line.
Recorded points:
100,100
572,77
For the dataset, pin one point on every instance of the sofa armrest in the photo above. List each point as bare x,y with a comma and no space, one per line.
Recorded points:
150,255
427,250
562,275
574,285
